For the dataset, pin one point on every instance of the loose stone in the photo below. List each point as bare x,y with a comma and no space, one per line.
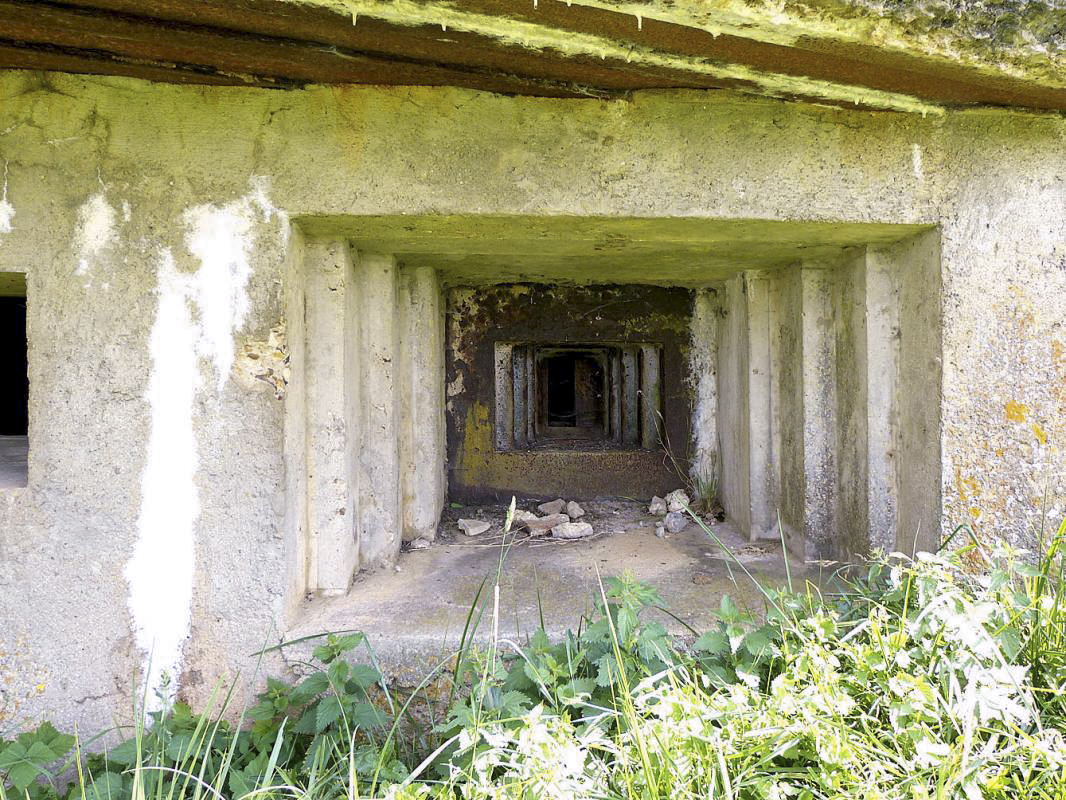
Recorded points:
542,525
573,510
554,507
677,500
473,527
521,516
657,507
660,531
675,522
420,544
572,530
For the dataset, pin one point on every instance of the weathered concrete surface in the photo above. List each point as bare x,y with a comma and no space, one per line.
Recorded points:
557,578
200,183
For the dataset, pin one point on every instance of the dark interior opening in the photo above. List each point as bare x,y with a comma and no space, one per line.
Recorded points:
572,393
14,399
562,403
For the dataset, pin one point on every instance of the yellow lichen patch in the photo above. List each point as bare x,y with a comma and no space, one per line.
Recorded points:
1016,412
474,458
266,362
1040,433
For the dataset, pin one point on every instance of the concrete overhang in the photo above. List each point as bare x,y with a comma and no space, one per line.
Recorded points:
676,251
902,55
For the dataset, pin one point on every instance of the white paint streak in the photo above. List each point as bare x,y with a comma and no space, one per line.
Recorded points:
7,211
704,381
198,316
221,238
160,572
95,231
916,162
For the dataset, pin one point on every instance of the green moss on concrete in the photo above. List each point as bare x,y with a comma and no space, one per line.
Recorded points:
686,251
1001,37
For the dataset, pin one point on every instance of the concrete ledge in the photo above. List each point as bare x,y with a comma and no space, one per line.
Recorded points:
414,613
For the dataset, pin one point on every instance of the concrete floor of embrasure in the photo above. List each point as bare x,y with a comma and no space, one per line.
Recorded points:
14,452
414,614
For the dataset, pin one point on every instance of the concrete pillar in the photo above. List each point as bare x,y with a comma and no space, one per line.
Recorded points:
851,535
296,428
882,418
523,413
614,371
422,444
759,406
704,371
819,370
374,369
919,475
788,407
332,552
651,397
630,397
735,489
504,423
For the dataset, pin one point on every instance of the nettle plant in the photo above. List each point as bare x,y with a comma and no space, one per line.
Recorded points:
26,760
586,677
925,678
326,727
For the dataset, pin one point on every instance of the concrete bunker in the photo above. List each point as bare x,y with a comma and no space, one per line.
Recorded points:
793,364
14,399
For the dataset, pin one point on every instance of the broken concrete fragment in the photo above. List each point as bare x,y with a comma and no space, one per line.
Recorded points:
677,500
657,507
473,527
541,525
675,522
572,530
420,544
573,510
554,507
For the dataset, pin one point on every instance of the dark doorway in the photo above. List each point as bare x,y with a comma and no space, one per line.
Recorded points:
561,400
14,399
571,391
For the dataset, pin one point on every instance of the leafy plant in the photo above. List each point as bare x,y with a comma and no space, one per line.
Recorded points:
26,759
924,679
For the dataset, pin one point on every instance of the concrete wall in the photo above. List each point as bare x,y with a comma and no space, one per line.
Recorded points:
830,392
371,375
160,229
